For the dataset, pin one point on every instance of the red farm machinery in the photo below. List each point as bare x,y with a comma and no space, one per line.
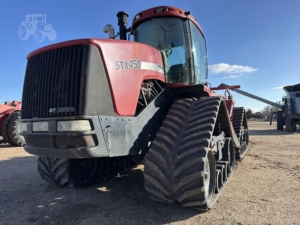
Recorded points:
95,108
10,113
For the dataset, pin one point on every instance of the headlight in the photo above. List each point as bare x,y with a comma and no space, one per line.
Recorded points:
23,127
40,126
73,125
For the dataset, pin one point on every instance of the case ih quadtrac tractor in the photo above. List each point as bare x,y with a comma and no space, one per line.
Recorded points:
93,108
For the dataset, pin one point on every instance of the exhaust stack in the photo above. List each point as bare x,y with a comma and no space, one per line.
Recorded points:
122,23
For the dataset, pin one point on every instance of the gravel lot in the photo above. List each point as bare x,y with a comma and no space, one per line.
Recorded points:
263,190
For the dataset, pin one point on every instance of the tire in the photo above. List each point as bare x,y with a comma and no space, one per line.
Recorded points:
4,130
23,32
67,172
290,124
51,35
280,121
14,129
39,36
240,126
180,166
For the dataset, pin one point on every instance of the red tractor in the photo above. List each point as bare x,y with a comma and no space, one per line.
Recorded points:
10,114
94,108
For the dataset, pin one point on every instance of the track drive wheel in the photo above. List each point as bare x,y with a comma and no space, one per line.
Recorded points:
180,166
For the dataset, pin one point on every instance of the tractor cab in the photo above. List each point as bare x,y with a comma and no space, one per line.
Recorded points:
35,18
179,38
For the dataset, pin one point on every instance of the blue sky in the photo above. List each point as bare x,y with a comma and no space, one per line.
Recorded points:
255,44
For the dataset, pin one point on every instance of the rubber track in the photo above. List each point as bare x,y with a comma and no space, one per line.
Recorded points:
174,164
237,123
13,125
53,169
4,130
56,170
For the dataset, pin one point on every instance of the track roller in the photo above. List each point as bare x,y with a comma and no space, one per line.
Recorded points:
229,154
223,172
219,180
226,168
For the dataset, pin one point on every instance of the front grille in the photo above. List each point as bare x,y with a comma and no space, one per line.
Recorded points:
53,82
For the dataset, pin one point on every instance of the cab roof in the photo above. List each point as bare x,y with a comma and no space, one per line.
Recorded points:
163,11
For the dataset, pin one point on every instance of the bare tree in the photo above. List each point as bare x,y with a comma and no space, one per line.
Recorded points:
249,113
267,110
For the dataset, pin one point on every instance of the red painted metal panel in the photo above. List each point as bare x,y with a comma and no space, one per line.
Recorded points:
230,105
124,83
168,11
7,109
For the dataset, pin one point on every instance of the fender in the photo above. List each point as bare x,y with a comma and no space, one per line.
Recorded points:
135,63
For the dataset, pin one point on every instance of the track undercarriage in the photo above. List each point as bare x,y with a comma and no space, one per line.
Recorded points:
182,166
184,163
85,172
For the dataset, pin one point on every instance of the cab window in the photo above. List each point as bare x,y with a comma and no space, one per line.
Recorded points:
199,54
168,36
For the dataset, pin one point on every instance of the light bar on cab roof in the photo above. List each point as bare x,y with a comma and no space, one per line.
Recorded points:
137,16
158,10
174,10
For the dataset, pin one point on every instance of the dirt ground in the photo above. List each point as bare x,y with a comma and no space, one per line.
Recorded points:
263,190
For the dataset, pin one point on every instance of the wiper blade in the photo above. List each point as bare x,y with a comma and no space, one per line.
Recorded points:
162,27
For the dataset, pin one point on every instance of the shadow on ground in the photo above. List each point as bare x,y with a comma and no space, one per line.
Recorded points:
25,199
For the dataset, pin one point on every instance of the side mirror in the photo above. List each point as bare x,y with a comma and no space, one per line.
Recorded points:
110,30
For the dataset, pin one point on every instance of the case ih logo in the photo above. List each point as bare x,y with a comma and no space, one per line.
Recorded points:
128,65
36,25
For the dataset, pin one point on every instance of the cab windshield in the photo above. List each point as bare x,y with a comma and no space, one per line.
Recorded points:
168,35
